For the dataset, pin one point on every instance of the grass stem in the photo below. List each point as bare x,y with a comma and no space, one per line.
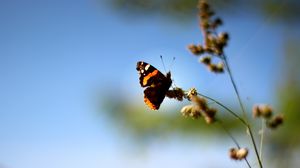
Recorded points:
243,109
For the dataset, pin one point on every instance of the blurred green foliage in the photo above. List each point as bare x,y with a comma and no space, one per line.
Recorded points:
286,11
286,140
145,124
289,96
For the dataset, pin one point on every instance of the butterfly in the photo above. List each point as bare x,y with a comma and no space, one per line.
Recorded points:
156,84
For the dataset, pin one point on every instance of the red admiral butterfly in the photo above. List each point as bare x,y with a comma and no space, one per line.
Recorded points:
156,83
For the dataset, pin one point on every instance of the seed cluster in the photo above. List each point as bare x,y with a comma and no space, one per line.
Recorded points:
213,43
213,47
238,153
266,112
198,108
176,93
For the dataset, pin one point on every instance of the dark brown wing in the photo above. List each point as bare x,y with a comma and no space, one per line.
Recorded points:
149,75
156,83
154,96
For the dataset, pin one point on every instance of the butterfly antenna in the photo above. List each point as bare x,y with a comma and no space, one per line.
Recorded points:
161,57
162,60
172,63
170,67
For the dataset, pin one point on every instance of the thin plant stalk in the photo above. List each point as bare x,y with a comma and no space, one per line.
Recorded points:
236,116
226,108
243,109
261,137
223,56
232,113
233,139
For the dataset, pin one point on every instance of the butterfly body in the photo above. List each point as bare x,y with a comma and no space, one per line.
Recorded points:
156,84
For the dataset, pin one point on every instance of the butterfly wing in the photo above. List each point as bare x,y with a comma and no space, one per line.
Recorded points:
154,96
156,83
149,75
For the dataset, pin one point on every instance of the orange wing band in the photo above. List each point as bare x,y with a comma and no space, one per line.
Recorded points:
146,78
149,104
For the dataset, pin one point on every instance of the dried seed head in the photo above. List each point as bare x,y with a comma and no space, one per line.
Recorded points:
216,68
186,110
256,111
213,44
200,102
242,153
209,120
279,118
204,10
176,93
205,24
191,92
211,112
213,67
210,115
198,108
238,154
191,111
206,60
275,121
196,49
211,41
218,49
220,67
232,153
224,36
201,108
222,40
195,114
203,5
262,110
217,22
266,111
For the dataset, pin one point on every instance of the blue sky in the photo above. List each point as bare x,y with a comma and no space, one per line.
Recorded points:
55,55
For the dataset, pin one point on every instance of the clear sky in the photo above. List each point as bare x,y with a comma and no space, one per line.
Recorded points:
56,55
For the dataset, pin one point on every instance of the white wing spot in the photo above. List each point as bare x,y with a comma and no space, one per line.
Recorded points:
147,67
